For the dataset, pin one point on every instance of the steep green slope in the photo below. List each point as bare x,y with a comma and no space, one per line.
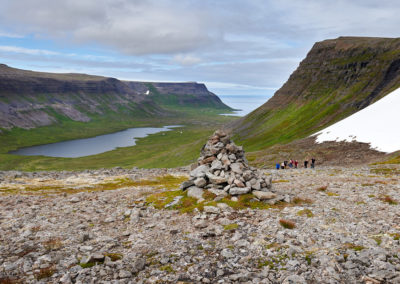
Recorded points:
337,78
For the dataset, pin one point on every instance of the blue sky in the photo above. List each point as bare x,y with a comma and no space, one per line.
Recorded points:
235,47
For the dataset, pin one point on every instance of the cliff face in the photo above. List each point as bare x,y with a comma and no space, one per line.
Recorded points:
337,78
180,94
31,99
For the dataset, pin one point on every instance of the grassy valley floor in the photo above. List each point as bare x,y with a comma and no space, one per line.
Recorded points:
167,149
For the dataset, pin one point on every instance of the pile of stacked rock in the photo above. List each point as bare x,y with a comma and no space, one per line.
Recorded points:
223,170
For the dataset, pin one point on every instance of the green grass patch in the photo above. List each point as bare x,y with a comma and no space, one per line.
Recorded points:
89,264
385,171
353,247
280,181
378,240
231,227
167,268
274,262
305,212
166,182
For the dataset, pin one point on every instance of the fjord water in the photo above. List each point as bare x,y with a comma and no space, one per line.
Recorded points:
91,146
245,103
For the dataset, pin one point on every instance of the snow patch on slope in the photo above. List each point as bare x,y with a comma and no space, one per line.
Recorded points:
377,124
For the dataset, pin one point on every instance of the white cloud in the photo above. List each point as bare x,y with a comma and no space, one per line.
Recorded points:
255,43
186,59
10,35
134,27
17,49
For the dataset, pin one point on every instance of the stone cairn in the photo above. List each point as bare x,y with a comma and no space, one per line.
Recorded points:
223,170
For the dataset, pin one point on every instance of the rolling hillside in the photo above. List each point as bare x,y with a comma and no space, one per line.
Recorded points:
337,78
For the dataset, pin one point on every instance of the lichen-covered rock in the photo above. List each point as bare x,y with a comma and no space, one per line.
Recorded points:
263,195
239,190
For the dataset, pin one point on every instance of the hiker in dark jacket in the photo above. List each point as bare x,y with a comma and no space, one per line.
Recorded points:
305,163
312,163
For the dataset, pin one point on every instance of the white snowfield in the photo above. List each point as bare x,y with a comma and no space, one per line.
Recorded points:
377,124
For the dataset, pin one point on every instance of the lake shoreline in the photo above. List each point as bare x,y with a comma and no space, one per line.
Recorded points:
134,134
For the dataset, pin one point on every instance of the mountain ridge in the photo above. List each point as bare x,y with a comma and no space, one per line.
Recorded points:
29,99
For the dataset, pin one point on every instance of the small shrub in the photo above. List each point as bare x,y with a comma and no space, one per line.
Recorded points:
44,273
332,194
7,280
207,195
25,252
287,224
389,200
35,229
396,236
53,244
114,256
322,188
273,245
298,200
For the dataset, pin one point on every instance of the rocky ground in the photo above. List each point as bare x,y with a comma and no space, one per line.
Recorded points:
95,227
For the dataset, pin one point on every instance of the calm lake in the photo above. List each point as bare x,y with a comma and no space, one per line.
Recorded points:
91,146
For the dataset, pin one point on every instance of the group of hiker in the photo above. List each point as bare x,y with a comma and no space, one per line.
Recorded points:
294,164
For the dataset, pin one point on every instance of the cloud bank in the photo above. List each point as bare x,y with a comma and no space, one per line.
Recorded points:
257,43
